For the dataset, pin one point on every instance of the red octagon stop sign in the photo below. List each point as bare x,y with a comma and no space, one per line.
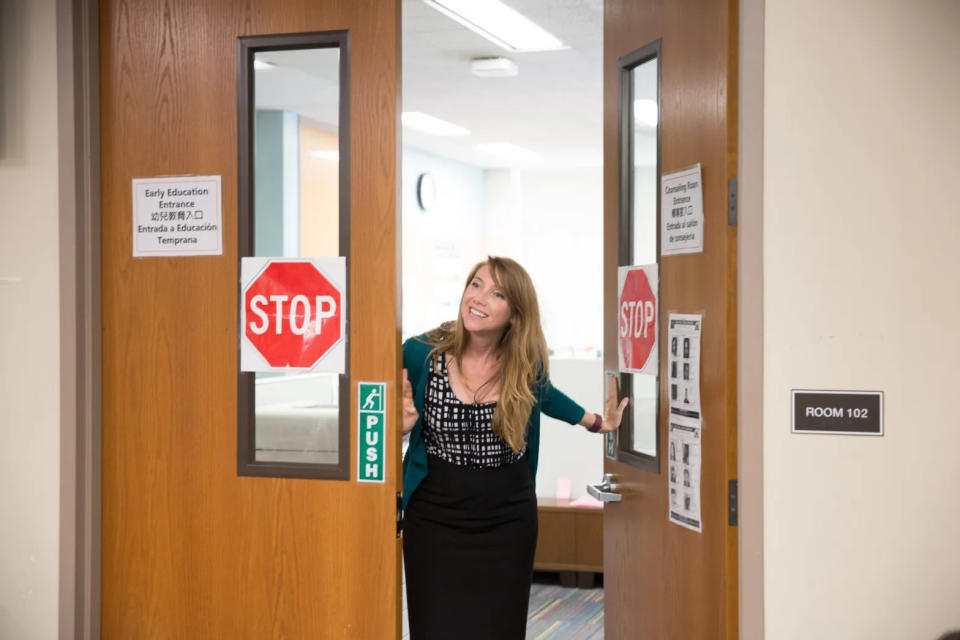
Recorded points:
637,318
292,314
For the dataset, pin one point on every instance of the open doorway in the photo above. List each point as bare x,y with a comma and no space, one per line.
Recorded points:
502,155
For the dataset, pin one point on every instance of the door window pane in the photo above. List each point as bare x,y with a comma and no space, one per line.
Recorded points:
639,193
296,214
293,133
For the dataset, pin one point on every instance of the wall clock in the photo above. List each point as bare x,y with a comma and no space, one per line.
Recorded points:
426,191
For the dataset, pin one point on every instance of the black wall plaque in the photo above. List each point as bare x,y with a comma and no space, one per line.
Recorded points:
842,412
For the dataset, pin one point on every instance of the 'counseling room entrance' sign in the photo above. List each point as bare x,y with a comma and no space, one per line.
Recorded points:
681,212
857,413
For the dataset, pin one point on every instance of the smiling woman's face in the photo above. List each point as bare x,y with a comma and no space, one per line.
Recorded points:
484,308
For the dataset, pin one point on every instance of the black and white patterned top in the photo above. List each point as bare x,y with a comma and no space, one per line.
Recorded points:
461,433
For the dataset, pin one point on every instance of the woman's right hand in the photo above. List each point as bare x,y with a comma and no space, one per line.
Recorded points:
409,410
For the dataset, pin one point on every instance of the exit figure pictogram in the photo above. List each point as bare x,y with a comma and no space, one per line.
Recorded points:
372,401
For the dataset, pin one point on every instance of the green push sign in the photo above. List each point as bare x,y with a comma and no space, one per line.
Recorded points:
371,431
610,440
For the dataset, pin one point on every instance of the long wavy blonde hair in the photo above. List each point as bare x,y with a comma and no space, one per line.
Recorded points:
522,350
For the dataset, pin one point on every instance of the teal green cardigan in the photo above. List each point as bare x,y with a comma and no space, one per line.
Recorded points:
548,399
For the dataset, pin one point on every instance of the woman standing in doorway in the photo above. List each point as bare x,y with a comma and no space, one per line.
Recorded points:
472,396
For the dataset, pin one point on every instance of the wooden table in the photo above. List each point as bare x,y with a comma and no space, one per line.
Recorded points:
570,541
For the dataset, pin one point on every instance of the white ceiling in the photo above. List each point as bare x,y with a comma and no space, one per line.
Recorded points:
303,80
553,107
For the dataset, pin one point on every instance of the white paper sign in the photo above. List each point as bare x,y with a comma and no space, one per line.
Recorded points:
681,212
177,216
638,315
684,460
293,314
683,335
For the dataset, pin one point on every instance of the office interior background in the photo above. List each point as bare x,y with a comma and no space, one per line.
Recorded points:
849,273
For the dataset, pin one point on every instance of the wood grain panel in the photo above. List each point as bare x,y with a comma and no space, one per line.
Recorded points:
191,550
556,541
570,538
590,540
663,581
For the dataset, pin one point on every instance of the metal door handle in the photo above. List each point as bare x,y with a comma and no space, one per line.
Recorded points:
606,491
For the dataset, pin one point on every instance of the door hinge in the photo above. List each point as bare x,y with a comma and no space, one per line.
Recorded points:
732,503
399,514
732,202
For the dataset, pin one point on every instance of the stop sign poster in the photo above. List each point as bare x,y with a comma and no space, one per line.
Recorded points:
293,314
637,311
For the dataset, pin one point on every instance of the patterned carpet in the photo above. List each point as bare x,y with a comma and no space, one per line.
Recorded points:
557,613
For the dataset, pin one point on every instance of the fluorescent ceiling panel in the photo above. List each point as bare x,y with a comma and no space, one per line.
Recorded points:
429,124
509,151
498,23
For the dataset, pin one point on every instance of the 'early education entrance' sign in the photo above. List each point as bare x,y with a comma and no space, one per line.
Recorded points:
177,216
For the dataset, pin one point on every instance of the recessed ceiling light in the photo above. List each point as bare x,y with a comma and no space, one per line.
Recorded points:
494,67
429,124
509,151
498,23
333,156
645,112
262,65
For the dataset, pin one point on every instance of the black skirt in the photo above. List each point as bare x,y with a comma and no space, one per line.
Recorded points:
469,537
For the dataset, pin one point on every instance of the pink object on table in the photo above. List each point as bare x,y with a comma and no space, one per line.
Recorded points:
563,488
587,501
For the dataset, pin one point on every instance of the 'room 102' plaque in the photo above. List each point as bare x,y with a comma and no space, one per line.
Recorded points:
857,413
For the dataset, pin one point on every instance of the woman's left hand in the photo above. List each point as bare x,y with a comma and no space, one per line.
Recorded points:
613,409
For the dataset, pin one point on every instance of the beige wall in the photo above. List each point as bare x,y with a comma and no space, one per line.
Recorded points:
29,322
319,195
861,267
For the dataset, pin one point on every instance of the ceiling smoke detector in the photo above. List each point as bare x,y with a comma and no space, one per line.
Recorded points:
494,67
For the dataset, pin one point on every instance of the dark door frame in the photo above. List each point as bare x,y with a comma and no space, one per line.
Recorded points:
78,85
78,126
750,319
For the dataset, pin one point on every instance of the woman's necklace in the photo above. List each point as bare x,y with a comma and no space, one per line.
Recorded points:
466,382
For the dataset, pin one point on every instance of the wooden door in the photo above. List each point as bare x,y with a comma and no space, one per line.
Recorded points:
661,580
189,548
